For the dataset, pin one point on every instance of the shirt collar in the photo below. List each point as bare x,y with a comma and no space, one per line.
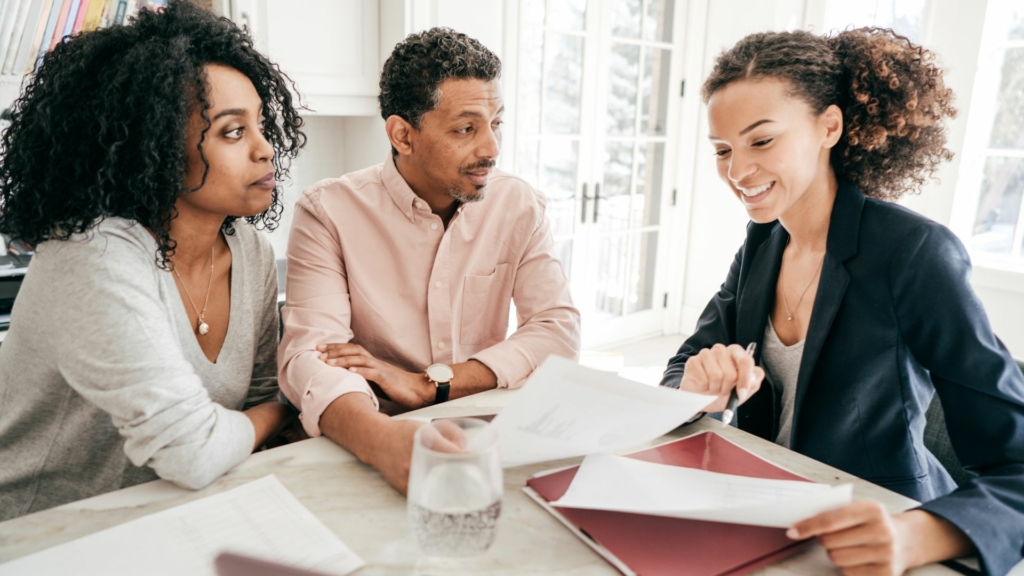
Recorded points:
399,190
401,194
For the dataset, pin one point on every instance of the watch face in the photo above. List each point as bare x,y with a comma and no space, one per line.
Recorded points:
440,373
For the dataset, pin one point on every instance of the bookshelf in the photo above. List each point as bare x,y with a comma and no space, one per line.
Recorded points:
30,28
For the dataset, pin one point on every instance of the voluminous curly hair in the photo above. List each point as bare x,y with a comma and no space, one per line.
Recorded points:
889,89
100,130
410,80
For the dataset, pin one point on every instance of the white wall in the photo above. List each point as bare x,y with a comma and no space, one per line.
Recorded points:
480,19
335,146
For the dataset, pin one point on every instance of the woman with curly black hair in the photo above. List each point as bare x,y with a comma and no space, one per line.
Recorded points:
140,161
861,309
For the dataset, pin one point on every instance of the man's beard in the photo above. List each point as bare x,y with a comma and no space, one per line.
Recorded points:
465,198
481,191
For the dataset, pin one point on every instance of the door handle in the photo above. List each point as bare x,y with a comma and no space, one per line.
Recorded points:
583,210
597,200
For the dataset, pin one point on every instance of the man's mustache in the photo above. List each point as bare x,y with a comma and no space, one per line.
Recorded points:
484,164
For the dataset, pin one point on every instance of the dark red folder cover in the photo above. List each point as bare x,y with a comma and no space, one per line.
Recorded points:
654,545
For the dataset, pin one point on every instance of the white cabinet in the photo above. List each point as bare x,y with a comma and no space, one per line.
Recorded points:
330,48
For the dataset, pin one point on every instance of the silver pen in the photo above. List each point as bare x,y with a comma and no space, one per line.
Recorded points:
730,408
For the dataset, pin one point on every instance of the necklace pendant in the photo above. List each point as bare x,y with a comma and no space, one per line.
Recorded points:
203,328
789,318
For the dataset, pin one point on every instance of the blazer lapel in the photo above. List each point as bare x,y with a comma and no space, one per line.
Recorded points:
758,291
760,412
844,227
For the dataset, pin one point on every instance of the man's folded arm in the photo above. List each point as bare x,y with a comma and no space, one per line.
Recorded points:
317,311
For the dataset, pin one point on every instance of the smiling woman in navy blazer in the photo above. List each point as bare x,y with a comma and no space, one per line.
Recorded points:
863,308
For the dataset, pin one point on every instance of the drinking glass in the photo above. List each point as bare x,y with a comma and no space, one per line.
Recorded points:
455,488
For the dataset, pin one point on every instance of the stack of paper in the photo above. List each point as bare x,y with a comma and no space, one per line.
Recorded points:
261,519
566,410
621,484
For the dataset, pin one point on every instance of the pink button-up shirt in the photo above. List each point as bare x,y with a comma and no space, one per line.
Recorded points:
369,263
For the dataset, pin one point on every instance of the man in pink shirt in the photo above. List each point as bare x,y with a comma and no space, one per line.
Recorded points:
400,276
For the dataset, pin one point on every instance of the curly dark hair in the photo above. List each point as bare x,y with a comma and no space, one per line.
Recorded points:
99,131
419,64
890,90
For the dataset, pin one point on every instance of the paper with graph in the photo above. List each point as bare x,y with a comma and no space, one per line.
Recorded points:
567,410
605,482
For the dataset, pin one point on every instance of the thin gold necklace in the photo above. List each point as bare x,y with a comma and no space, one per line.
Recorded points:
789,315
201,326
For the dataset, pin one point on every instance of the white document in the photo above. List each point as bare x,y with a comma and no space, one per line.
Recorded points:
605,482
261,519
567,410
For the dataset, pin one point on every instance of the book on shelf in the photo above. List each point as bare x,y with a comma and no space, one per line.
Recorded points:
80,18
51,23
31,28
69,24
93,14
62,19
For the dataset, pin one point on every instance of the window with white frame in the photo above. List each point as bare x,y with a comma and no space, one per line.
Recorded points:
992,170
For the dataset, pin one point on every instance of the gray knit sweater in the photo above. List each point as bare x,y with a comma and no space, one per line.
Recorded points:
102,382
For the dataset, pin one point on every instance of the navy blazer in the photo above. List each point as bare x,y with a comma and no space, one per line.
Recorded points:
894,321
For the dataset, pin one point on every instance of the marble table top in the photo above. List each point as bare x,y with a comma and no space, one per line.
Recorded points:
355,502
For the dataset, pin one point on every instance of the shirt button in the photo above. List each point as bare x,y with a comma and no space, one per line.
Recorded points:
437,284
419,204
433,225
440,345
409,214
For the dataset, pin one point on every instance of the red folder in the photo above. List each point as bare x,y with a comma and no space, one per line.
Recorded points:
654,545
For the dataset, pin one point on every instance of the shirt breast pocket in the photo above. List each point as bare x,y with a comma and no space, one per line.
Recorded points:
485,306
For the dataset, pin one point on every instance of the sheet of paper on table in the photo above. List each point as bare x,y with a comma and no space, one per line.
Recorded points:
261,519
605,482
567,410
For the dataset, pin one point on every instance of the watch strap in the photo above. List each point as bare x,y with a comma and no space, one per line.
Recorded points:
442,392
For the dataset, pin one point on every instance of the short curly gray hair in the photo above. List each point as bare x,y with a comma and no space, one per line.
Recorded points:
420,63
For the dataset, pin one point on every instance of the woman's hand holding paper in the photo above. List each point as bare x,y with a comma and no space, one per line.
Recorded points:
864,539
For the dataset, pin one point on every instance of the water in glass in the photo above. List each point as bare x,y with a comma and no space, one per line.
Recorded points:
455,486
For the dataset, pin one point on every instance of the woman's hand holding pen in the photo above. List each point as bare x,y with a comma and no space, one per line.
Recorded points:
718,370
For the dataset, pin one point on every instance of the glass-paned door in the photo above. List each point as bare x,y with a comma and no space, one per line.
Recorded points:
555,56
629,167
593,97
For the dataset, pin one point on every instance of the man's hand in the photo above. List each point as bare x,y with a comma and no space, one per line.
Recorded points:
394,455
353,421
408,389
385,443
